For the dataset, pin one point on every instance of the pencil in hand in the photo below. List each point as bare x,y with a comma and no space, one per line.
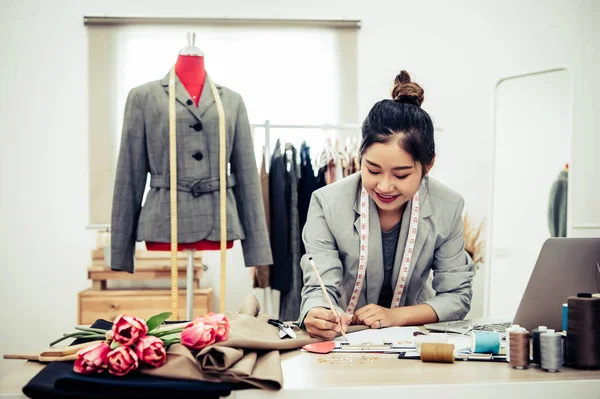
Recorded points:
326,294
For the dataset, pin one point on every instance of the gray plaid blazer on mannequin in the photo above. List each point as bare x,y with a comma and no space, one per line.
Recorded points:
145,149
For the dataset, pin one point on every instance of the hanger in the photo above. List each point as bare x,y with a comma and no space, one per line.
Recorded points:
191,48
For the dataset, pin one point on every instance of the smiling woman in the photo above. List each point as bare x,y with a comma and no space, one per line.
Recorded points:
393,220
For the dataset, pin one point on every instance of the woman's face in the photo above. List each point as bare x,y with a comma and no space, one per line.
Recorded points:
390,175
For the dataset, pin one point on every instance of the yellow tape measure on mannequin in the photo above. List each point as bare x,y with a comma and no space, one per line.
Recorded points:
222,192
173,191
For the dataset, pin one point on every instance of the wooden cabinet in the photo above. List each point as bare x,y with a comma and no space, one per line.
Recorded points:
108,304
101,302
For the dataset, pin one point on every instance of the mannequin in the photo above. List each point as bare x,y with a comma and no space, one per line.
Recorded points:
192,74
145,151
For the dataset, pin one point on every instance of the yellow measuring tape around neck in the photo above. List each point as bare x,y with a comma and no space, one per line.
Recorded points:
173,190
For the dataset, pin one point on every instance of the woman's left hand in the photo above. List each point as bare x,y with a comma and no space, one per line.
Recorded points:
374,316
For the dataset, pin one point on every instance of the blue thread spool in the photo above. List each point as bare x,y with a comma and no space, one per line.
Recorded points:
565,317
485,342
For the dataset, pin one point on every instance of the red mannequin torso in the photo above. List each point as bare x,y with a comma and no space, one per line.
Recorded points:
190,71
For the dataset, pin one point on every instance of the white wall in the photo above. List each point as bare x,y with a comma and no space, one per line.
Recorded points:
456,51
584,175
530,110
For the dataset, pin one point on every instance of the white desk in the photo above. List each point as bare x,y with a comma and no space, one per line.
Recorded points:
308,376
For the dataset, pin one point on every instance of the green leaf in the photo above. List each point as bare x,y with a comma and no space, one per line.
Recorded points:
157,320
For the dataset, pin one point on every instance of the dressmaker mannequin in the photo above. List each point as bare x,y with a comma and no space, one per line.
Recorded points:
202,167
190,71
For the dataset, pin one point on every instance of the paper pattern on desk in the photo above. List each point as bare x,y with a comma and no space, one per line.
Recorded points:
398,336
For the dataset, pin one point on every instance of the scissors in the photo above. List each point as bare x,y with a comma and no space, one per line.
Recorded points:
285,330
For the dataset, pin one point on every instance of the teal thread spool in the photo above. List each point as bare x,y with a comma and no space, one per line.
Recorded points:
565,316
485,342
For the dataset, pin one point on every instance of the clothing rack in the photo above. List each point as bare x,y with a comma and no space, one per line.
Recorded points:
267,125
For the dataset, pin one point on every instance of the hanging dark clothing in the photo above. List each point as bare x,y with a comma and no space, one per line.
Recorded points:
290,300
557,205
321,177
280,231
308,183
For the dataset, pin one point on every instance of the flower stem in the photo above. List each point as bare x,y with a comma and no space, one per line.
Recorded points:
91,336
170,342
92,330
165,332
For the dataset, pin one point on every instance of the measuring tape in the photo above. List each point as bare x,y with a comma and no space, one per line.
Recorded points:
364,251
173,191
222,188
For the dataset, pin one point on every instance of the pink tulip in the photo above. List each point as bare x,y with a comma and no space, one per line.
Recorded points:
221,324
127,329
151,351
122,360
198,334
92,358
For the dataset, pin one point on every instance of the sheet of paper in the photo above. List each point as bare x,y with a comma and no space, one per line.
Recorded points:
398,336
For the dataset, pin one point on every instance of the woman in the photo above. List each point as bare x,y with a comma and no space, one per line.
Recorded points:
394,219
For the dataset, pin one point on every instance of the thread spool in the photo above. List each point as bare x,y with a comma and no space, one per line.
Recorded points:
535,334
564,345
437,352
430,339
551,351
565,317
508,330
583,334
485,342
519,348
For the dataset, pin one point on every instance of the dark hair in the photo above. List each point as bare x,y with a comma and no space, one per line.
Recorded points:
404,118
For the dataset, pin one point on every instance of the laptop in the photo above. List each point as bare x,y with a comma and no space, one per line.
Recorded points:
565,267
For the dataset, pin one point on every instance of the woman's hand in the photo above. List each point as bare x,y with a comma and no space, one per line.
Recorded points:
322,323
375,316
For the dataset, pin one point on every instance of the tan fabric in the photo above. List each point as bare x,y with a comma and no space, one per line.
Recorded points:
330,172
251,354
262,273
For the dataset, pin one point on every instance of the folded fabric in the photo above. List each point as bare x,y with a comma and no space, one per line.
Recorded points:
248,358
58,380
250,355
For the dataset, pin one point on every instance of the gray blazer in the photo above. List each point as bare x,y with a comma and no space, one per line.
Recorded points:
145,149
331,237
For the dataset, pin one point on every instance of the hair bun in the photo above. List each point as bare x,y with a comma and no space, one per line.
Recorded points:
405,91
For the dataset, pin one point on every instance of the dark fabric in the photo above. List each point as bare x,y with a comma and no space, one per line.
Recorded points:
321,177
290,301
308,183
389,242
280,231
557,206
58,380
